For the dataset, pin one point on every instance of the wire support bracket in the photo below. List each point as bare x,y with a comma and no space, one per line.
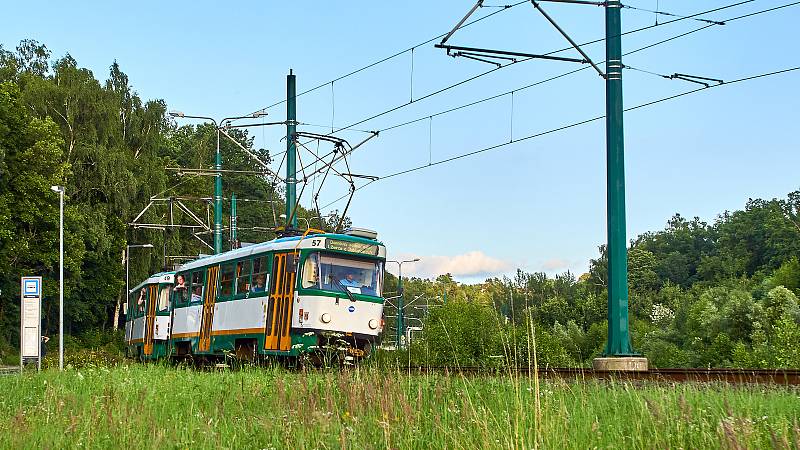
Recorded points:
488,53
569,39
694,79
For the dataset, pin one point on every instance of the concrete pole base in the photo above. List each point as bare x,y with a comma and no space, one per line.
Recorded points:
620,364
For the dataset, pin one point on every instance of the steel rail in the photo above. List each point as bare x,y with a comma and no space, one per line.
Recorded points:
788,377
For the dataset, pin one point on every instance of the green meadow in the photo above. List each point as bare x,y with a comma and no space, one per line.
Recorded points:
157,406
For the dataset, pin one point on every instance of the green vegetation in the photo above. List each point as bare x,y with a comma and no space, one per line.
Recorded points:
721,295
158,407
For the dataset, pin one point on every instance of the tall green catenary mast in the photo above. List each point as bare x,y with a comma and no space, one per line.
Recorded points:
619,341
234,219
291,170
218,197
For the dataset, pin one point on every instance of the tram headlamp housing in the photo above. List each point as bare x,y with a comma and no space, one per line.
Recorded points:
325,318
373,323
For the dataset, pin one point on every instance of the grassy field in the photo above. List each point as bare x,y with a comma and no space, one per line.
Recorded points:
166,407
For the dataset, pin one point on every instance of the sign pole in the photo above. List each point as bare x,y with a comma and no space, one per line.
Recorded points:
61,282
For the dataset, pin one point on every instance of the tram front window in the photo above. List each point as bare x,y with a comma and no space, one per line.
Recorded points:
333,273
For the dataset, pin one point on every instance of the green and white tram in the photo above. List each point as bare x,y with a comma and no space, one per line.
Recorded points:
288,296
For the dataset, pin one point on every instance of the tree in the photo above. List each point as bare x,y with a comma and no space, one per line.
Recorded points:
30,162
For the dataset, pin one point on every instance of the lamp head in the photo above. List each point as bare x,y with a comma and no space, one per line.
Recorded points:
176,113
59,189
258,114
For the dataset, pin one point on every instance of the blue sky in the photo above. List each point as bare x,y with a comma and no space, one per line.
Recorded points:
538,204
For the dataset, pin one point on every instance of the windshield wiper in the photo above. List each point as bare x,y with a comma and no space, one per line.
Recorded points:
346,291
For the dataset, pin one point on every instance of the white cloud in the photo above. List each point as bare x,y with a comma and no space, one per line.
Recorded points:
468,265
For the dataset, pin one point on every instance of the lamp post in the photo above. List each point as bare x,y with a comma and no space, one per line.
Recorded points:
127,266
217,169
60,191
400,299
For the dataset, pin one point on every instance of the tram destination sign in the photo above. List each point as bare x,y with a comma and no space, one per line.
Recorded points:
352,247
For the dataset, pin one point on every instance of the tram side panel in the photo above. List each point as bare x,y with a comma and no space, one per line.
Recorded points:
239,319
185,328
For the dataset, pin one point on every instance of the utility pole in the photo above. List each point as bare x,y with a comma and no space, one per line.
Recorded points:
619,341
400,306
291,151
218,198
234,239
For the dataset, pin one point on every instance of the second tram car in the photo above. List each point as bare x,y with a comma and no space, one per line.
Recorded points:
288,296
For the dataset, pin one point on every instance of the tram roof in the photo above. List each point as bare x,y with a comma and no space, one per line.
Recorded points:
161,277
285,243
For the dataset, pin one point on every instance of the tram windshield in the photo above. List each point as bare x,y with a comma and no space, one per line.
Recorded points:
335,273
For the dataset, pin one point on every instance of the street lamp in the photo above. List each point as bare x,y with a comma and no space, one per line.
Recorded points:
127,268
60,191
400,298
217,169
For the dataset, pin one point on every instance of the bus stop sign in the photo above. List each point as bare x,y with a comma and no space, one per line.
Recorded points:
31,320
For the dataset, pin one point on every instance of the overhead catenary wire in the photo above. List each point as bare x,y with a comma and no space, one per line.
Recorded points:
677,19
576,70
392,56
555,77
584,122
472,78
664,13
565,127
482,74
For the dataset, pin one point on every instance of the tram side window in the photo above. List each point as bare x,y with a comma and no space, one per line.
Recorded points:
259,275
311,272
163,297
197,286
243,277
226,281
181,290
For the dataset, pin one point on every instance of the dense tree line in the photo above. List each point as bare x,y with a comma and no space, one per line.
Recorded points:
723,294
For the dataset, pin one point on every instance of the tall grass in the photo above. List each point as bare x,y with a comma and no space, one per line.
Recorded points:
166,407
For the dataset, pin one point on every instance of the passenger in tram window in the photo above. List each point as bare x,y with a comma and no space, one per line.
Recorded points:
260,282
197,293
180,282
180,288
141,300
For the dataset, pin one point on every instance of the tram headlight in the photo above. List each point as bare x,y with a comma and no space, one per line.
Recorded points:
373,323
325,318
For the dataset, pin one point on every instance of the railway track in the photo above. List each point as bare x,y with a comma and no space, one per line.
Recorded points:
9,370
788,377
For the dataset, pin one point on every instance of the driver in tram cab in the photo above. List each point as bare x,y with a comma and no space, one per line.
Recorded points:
349,281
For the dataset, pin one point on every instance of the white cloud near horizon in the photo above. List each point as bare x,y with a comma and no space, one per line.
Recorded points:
468,265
